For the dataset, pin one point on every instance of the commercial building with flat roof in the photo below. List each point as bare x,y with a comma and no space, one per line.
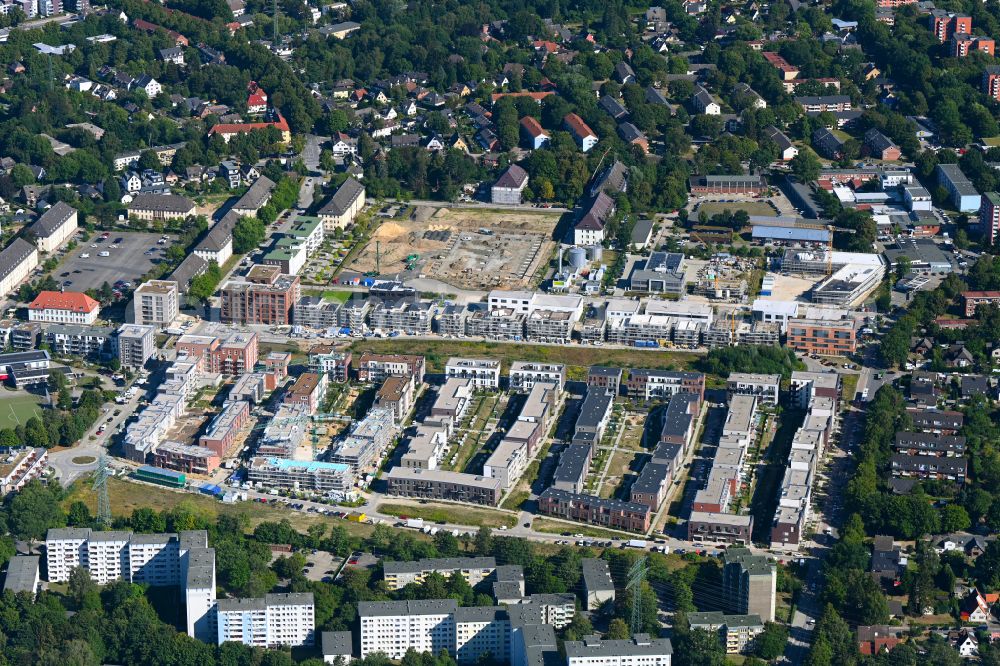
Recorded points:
663,272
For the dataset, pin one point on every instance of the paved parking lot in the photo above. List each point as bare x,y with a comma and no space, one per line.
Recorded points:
126,262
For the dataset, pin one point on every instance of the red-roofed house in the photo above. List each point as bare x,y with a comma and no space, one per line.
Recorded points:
229,130
63,307
582,134
975,609
532,133
257,102
537,96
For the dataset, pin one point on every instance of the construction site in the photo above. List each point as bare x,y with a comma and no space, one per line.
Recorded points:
726,278
470,249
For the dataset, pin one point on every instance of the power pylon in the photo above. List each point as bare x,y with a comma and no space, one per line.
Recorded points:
636,577
101,486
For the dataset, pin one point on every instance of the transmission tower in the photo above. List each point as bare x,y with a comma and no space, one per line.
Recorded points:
636,577
101,486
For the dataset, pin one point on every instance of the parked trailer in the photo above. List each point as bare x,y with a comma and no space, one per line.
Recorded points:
636,543
415,523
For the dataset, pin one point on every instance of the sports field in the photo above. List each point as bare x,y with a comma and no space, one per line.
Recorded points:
17,408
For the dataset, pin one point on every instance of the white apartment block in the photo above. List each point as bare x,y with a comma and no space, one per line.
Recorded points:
484,372
274,621
155,302
763,387
640,650
507,462
184,560
524,374
393,627
468,633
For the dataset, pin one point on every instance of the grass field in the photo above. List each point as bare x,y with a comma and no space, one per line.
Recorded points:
576,357
18,408
338,296
849,386
127,495
751,207
450,513
993,141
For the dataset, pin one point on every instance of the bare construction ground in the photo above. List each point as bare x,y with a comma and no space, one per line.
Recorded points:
450,247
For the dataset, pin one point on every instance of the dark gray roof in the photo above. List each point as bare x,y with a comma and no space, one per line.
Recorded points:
676,419
256,196
597,575
410,607
187,270
12,256
342,199
613,107
169,203
514,177
594,409
651,478
22,571
336,643
52,219
573,463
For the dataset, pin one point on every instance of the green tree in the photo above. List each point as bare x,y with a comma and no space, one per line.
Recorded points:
618,630
805,166
34,510
248,234
771,644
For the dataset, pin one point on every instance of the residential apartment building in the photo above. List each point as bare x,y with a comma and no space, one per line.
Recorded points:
396,394
79,340
473,569
611,513
640,650
19,466
749,583
584,136
343,206
963,194
309,390
376,367
54,227
989,217
719,527
507,462
825,337
440,484
736,632
763,387
482,372
264,296
17,260
152,207
155,302
644,384
524,375
322,477
277,620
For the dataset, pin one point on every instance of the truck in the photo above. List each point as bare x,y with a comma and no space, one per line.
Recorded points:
415,523
357,517
636,543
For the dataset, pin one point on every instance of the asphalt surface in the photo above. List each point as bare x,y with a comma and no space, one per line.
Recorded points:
128,261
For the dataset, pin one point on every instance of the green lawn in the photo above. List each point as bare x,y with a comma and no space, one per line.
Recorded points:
558,527
450,513
751,207
993,141
18,408
339,296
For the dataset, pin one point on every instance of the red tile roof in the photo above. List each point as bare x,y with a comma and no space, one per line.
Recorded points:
74,301
577,126
236,128
532,127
